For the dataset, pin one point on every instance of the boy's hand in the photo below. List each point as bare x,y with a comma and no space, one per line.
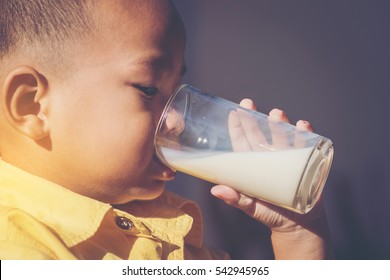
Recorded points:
293,235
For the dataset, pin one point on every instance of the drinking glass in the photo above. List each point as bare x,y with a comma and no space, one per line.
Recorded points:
217,140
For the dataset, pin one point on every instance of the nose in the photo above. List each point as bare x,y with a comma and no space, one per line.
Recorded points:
174,123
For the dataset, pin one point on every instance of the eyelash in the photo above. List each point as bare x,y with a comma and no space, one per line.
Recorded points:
149,92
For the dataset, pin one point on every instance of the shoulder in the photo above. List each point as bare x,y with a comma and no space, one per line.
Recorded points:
22,236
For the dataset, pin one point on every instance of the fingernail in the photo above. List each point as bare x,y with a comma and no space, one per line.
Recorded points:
246,102
216,193
304,122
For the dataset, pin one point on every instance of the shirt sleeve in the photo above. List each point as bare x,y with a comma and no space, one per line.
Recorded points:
22,237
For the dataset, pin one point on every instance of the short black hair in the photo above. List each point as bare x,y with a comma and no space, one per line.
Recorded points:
46,23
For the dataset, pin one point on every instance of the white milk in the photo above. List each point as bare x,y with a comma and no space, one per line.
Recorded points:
271,175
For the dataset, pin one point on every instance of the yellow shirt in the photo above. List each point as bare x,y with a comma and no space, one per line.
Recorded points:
42,220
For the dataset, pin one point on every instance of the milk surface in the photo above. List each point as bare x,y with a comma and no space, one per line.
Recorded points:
270,175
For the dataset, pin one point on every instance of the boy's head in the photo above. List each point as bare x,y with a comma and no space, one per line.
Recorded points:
40,28
83,84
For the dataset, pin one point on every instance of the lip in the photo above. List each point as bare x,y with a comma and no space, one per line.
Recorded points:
164,172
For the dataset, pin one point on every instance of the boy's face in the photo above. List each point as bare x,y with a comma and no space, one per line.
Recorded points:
103,114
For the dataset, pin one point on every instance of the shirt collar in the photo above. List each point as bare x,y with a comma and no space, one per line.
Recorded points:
171,214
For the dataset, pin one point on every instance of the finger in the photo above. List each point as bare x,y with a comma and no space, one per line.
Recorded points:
227,194
279,136
278,115
261,211
301,136
237,133
235,199
304,125
248,104
254,135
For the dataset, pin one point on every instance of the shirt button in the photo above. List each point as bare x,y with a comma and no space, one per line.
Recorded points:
123,223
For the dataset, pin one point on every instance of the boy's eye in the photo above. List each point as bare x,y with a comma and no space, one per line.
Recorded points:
148,91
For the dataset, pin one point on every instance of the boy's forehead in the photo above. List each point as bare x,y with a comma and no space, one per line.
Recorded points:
137,34
135,24
134,9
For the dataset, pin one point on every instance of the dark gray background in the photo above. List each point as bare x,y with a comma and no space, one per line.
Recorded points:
324,61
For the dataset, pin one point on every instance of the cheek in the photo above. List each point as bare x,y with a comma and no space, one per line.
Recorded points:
107,138
124,143
128,145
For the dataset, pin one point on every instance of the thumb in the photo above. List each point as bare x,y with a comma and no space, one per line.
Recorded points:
227,194
234,198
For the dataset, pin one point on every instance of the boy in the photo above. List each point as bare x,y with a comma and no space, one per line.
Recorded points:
83,84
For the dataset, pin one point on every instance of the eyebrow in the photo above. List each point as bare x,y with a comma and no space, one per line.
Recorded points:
157,61
152,61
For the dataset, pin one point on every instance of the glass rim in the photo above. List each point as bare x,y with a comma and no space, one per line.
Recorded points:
163,117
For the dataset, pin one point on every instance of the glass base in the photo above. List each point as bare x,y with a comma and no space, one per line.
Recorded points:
314,177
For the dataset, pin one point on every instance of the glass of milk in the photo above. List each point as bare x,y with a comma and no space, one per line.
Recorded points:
217,140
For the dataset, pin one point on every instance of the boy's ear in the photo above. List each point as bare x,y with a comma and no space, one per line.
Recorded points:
24,101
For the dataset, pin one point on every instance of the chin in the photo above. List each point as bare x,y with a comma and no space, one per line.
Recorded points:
153,192
141,193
